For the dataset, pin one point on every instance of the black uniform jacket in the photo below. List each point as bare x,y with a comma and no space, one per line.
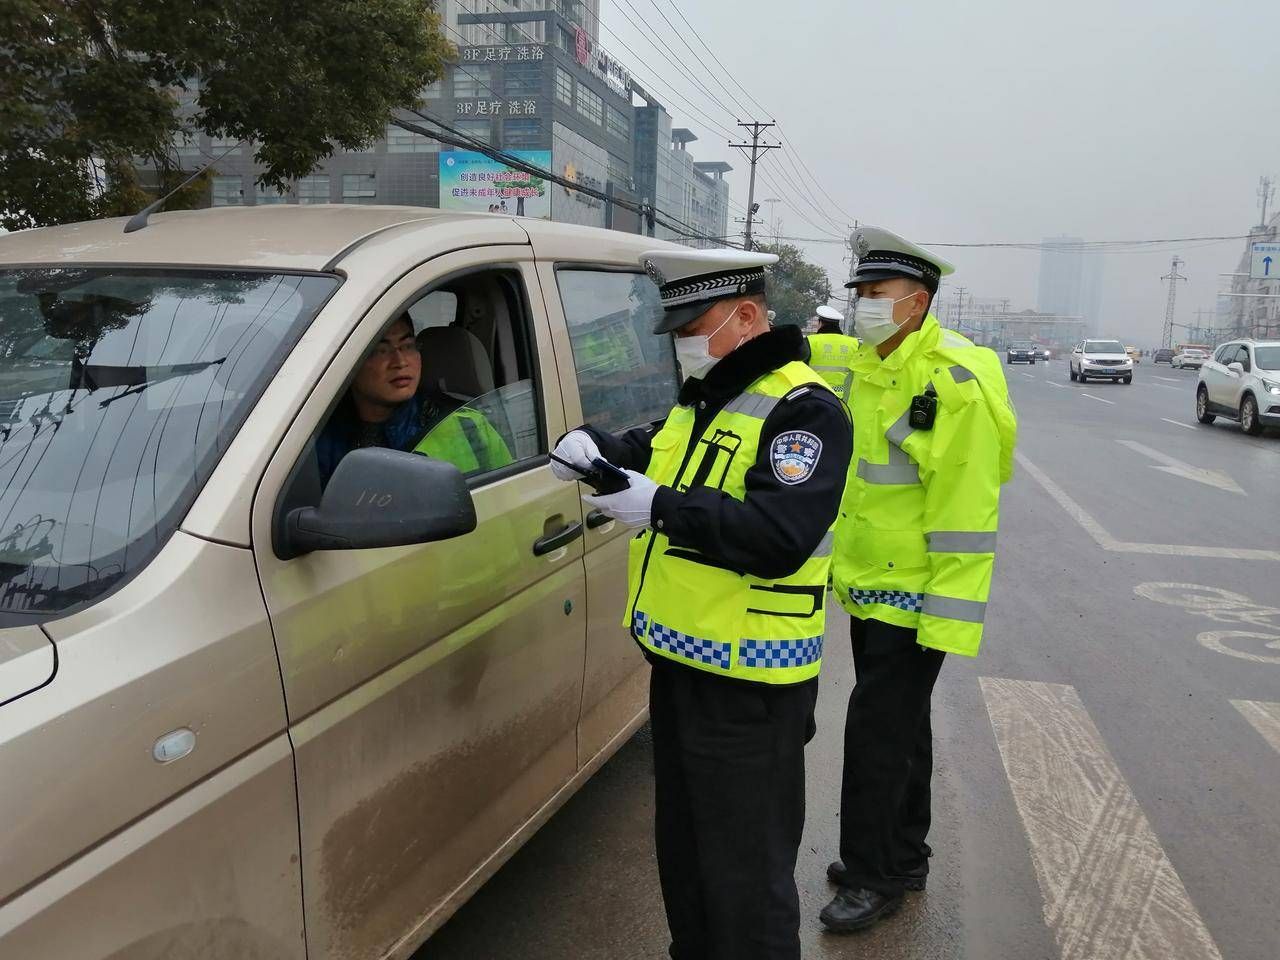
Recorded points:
778,526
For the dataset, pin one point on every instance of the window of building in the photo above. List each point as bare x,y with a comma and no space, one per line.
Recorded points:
472,80
619,123
481,130
468,341
359,188
400,140
265,194
626,375
186,144
522,134
228,191
229,146
564,87
590,104
620,172
313,189
568,42
523,79
433,90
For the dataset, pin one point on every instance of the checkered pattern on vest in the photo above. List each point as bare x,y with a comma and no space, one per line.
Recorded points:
780,653
911,602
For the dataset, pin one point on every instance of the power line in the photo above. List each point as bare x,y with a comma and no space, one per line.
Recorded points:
743,111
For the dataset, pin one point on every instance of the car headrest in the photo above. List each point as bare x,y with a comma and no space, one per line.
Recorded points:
455,362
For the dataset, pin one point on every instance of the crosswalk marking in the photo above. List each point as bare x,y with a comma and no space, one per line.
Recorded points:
1265,718
1110,892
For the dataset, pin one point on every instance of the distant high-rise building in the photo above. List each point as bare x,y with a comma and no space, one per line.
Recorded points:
1070,281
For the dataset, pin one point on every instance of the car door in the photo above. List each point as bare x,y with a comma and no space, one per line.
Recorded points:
622,376
433,690
1214,372
1232,381
1077,357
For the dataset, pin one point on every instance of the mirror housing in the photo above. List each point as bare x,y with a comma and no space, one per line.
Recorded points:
381,498
1236,367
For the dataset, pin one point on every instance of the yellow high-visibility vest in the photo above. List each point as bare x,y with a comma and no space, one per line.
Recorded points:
684,606
916,537
831,357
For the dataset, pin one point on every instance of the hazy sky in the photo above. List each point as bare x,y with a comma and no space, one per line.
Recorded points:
1000,120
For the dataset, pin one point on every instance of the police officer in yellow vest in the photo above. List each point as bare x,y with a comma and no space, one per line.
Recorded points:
831,352
734,495
933,435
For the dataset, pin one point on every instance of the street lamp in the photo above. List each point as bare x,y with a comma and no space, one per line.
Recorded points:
773,223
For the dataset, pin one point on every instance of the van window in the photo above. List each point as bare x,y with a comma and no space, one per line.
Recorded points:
451,377
119,389
626,375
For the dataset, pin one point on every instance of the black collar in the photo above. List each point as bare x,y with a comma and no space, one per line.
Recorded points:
747,364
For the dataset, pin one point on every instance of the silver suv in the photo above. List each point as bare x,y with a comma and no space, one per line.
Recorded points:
1100,360
1241,381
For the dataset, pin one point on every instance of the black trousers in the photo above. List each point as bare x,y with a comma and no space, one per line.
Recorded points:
729,780
888,758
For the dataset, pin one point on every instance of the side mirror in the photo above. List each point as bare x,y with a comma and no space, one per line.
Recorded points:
1236,367
381,498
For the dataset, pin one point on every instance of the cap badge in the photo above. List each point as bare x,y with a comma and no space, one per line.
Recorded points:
861,246
654,273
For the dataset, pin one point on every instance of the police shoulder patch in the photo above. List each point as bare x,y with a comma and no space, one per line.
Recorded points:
794,455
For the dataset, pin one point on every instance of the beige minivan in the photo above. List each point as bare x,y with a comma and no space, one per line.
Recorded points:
262,701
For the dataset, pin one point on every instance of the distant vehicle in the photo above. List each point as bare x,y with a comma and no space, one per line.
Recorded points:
1021,351
1046,354
1134,354
1163,356
1190,358
1101,360
1241,381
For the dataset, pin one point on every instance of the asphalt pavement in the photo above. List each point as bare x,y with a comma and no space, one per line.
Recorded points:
1108,769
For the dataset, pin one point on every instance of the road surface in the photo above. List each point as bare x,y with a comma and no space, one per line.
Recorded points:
1108,775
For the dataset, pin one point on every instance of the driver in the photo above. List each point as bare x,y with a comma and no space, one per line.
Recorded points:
388,406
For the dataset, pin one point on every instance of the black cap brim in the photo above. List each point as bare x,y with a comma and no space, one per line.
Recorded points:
677,317
887,273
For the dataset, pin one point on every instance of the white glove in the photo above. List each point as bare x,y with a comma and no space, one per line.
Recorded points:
576,447
633,506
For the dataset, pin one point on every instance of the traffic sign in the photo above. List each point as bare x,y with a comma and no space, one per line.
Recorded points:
1264,261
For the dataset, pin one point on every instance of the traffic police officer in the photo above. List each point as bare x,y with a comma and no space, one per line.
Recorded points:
735,494
915,543
832,352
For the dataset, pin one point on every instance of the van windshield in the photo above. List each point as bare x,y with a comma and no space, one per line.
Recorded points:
119,389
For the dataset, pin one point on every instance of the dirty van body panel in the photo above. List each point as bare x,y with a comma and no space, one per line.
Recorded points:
433,690
92,798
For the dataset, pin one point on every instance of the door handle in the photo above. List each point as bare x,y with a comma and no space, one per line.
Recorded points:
554,541
597,518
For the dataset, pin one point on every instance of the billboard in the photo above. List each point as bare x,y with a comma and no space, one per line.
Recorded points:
474,182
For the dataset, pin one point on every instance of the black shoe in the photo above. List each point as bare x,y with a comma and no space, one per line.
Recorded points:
913,881
856,910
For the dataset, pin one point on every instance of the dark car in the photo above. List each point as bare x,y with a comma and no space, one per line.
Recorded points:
1021,351
1163,356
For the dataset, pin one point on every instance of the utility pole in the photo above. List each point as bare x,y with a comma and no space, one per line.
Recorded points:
958,319
1173,277
758,149
1266,193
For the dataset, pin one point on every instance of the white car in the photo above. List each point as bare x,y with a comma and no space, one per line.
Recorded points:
1100,360
1191,358
1241,381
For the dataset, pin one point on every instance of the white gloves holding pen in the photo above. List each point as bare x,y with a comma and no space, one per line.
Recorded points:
632,507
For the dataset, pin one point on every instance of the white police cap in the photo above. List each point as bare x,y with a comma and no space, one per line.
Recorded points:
883,255
690,281
829,313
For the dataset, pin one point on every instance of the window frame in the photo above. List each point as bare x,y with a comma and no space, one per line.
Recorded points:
305,469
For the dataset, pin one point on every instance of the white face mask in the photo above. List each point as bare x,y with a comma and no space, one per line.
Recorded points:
694,353
873,319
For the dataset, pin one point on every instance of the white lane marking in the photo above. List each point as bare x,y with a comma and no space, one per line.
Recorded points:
1265,718
1027,375
1170,379
1162,386
1224,606
1177,468
1055,383
1110,892
1108,542
1099,399
1179,423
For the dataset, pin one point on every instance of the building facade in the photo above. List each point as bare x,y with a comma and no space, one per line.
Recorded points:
533,80
1070,281
1249,307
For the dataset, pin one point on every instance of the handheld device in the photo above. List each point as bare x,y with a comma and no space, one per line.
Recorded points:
603,477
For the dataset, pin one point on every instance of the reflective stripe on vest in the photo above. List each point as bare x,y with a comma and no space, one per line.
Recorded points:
688,607
831,357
